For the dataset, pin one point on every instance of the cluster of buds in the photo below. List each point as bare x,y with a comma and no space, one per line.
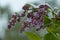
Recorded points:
15,18
36,18
12,22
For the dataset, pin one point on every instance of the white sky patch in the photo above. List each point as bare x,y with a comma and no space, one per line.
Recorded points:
16,5
58,2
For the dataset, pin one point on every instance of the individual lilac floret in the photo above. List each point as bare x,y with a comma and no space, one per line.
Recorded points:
25,7
25,26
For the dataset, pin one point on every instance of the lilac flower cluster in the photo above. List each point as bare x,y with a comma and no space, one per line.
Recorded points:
36,18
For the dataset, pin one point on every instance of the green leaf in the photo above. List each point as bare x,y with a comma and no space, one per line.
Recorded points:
33,36
51,28
57,22
54,30
58,35
49,36
57,30
46,20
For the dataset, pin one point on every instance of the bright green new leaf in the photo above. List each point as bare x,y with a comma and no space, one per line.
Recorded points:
33,36
51,28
